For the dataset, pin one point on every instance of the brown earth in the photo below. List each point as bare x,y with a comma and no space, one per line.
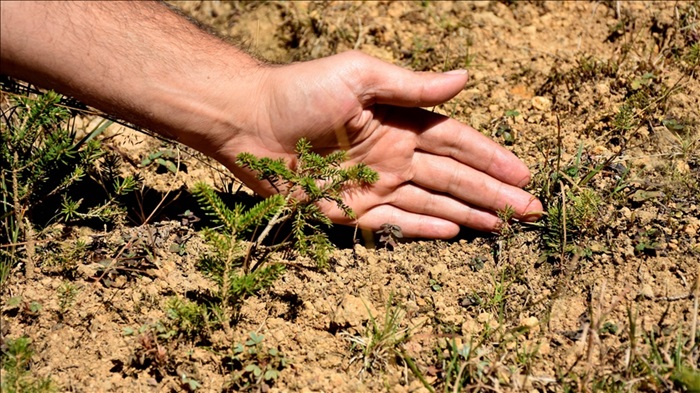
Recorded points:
554,323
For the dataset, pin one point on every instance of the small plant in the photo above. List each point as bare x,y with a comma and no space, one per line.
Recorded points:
255,367
693,56
572,206
165,158
316,178
506,216
188,318
241,268
568,220
42,164
389,236
26,310
646,242
66,297
16,356
152,351
381,343
62,257
463,365
492,357
504,129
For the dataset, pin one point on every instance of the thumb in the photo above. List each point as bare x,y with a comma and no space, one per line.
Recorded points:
378,82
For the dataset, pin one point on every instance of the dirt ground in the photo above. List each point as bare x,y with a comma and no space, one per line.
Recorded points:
548,80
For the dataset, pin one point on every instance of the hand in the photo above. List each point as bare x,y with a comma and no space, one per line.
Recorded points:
435,173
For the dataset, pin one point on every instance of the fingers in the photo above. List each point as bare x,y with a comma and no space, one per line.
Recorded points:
443,136
451,138
417,200
377,82
424,214
446,175
412,224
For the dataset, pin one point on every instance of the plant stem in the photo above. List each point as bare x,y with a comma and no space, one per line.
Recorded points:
276,219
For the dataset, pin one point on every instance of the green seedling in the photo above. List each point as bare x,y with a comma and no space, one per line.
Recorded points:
435,285
465,367
186,317
647,242
66,297
165,158
43,164
381,342
504,129
643,81
188,383
242,268
692,57
26,310
16,356
254,366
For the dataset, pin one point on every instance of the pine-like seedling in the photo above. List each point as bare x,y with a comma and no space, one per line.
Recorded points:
42,161
239,263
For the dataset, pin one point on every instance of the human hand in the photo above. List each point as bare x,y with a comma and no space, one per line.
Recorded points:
435,173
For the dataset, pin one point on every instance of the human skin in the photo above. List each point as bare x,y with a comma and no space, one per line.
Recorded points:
144,63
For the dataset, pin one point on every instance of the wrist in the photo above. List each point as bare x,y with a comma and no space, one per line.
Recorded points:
210,107
143,63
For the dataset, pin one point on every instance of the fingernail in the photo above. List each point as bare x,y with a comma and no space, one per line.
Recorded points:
456,72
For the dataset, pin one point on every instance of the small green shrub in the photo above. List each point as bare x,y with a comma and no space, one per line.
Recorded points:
382,342
254,366
187,317
67,293
16,359
42,164
238,262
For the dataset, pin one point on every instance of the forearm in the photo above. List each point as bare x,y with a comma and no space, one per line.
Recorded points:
137,60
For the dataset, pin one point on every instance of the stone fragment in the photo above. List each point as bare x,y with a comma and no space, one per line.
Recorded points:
602,89
353,311
541,103
646,291
532,323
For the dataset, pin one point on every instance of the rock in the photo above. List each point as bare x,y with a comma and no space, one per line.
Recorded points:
487,319
419,322
692,227
532,323
470,327
645,217
626,212
602,89
541,103
646,291
87,271
353,311
398,388
416,386
337,380
438,270
413,349
487,19
484,317
529,30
